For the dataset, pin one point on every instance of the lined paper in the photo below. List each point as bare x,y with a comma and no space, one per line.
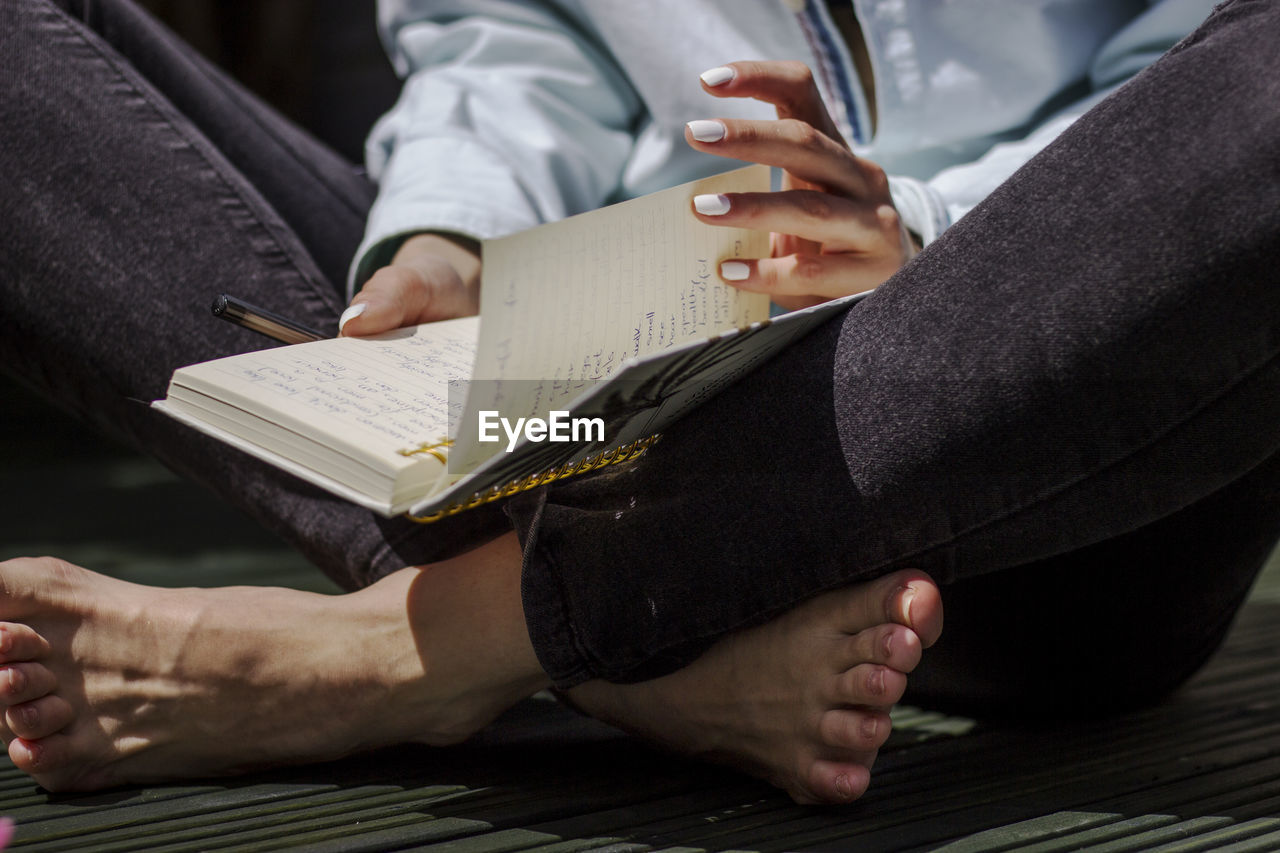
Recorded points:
565,304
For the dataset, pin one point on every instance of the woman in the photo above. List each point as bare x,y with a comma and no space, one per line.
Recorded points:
946,423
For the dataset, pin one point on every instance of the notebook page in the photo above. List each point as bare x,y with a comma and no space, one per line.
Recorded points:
564,304
367,397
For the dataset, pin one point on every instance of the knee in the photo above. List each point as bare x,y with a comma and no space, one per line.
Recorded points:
1094,643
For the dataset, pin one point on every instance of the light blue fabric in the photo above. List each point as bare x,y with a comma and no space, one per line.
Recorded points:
516,113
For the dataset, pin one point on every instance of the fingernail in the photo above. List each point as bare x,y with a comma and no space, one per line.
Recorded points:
734,271
707,130
711,205
351,313
718,76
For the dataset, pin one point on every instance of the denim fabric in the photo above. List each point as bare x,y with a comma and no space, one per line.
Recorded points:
1090,351
320,196
139,183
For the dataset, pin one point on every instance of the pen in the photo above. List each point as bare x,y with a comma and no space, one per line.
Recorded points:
262,321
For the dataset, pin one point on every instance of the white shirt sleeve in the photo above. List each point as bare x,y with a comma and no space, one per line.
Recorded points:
929,207
510,115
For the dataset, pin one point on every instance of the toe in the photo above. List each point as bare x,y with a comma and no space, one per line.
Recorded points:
20,642
909,598
870,685
22,682
39,718
894,646
833,782
854,729
39,757
55,762
916,602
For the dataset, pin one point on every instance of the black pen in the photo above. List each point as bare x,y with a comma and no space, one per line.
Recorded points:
262,321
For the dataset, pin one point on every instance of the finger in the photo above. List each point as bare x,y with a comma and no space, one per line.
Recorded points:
22,682
405,295
384,302
838,224
19,642
788,85
820,276
715,210
806,152
40,717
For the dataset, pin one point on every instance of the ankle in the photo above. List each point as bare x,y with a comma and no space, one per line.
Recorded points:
449,644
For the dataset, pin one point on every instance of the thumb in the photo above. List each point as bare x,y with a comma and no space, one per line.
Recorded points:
405,294
388,300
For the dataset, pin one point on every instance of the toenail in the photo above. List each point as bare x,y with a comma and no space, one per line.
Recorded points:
17,680
908,595
869,726
875,682
888,645
30,716
5,641
843,788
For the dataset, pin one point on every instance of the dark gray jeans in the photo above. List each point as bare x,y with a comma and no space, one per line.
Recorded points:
1067,410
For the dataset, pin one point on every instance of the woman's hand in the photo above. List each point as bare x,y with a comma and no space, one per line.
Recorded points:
835,229
431,277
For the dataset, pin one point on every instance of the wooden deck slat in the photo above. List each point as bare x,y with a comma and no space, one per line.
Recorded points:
1240,833
371,837
1114,827
1268,843
339,806
1046,832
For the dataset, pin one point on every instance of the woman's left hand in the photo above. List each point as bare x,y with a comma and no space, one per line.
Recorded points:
835,228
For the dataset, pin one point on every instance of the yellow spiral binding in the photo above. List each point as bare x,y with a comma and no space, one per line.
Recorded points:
436,449
617,456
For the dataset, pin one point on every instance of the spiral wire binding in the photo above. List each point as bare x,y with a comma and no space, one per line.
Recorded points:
617,456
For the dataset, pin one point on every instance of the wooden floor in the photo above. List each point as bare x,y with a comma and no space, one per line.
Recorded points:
1201,772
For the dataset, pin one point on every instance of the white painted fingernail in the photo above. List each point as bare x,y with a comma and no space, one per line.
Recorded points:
707,130
351,313
718,76
711,205
734,271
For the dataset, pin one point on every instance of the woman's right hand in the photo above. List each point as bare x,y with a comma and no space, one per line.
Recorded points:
835,228
432,277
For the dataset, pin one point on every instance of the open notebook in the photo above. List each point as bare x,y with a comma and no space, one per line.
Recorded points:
616,319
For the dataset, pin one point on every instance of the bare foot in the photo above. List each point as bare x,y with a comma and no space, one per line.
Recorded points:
105,682
801,701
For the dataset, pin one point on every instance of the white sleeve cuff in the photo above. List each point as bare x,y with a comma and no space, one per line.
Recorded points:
922,208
